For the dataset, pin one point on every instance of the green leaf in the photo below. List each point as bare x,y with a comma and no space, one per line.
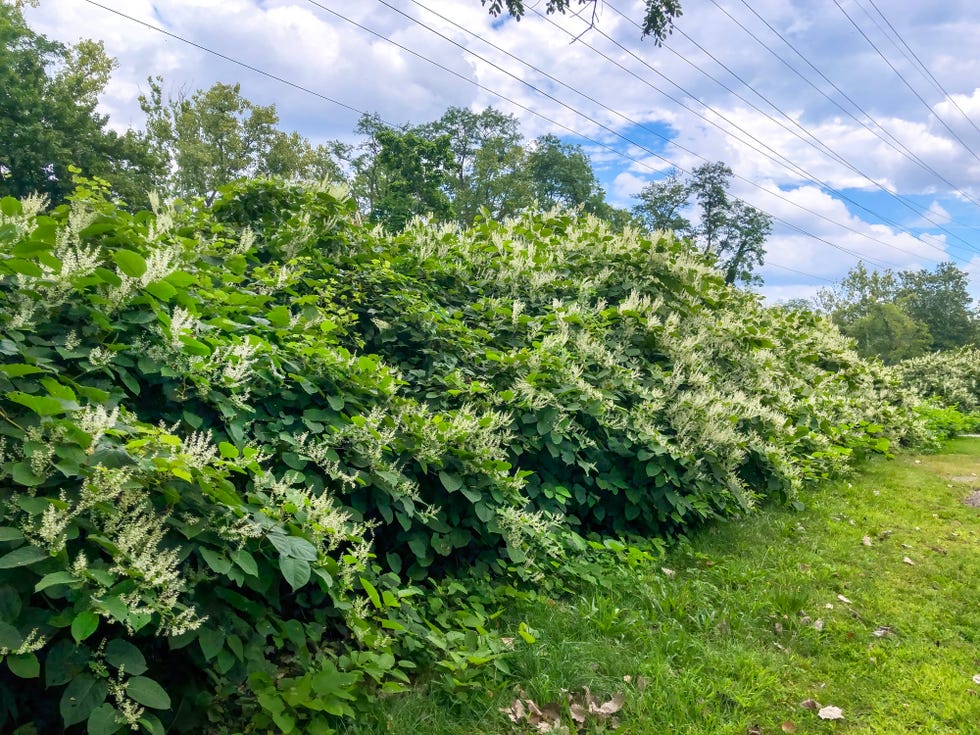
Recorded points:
22,557
228,451
41,405
49,580
211,641
161,289
81,697
64,662
24,267
24,475
246,561
451,482
124,655
218,562
293,546
295,571
102,721
24,665
130,263
148,693
372,593
9,533
152,724
19,369
84,625
10,637
10,207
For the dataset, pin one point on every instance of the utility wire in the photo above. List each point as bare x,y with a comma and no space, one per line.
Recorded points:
893,142
304,89
810,138
906,81
923,67
915,208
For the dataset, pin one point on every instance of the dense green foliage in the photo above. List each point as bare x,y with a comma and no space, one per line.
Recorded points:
241,439
950,381
48,119
897,316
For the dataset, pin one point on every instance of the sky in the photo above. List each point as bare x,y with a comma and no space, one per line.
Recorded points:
855,124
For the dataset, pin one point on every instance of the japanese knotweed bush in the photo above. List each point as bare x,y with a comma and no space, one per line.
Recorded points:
952,377
195,459
238,438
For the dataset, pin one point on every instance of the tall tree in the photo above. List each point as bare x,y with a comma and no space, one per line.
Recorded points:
560,174
487,149
217,136
887,332
661,203
658,15
854,296
48,120
940,300
729,231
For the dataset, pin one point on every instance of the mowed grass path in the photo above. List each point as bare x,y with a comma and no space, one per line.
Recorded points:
867,600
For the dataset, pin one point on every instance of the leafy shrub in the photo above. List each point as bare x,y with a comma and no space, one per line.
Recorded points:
952,377
240,440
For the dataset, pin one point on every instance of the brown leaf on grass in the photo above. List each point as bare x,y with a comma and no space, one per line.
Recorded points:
844,599
976,679
788,726
754,730
818,624
881,631
908,561
830,713
810,704
866,541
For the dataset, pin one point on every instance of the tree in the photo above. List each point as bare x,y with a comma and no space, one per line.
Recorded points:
217,136
560,174
48,120
941,301
658,17
487,148
856,294
730,232
887,332
416,171
661,203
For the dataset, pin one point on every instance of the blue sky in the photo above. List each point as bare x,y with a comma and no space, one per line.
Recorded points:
855,159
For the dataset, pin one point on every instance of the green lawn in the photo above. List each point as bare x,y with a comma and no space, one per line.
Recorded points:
867,600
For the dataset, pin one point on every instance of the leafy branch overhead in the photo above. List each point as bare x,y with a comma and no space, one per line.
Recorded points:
658,15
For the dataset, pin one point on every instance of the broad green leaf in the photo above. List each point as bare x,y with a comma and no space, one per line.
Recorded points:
102,721
64,661
9,533
161,289
84,625
228,451
41,405
22,557
152,724
10,207
148,693
246,561
124,655
218,562
24,267
24,665
131,263
293,546
17,370
451,482
295,571
211,641
49,580
10,637
82,695
372,593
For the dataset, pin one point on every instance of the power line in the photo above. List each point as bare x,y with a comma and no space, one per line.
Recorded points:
917,209
304,89
812,140
891,141
906,81
923,67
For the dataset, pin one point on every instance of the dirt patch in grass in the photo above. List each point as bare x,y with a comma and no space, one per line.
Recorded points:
973,499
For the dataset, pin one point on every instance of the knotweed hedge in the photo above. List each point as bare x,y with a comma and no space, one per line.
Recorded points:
241,441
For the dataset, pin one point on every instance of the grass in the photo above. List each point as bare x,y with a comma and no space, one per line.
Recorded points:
867,600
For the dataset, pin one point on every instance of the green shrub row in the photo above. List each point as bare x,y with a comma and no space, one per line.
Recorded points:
239,442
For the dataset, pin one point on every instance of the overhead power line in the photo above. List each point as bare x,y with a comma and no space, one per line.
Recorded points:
906,81
884,135
321,96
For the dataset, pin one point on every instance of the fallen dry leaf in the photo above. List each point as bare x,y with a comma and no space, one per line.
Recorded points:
881,631
976,678
788,726
866,541
508,642
668,572
908,561
830,713
810,704
754,730
843,599
818,624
